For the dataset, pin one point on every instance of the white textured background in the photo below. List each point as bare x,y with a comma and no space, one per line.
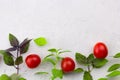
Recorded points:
69,24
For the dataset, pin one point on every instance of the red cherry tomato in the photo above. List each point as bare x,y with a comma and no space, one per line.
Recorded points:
100,50
33,60
67,64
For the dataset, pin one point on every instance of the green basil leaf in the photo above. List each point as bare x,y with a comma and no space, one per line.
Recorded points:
81,59
52,50
5,77
56,73
15,76
114,67
90,58
87,76
117,55
22,78
24,46
59,58
3,52
64,51
8,60
49,60
114,74
102,79
19,60
78,70
41,73
41,41
97,63
49,55
10,54
13,40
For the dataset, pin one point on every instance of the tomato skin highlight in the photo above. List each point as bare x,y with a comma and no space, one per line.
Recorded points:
32,60
100,50
67,64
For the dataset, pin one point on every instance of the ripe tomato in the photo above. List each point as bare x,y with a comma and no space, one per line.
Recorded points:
67,64
33,60
100,50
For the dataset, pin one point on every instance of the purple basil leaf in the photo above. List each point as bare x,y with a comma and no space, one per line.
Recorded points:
13,40
24,41
11,49
19,60
24,46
